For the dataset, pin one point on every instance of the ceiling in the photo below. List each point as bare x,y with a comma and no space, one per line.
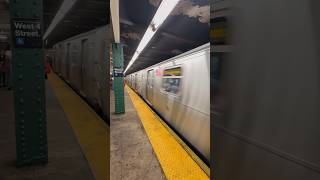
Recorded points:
186,28
84,16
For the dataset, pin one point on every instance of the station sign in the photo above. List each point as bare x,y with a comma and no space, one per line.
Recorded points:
118,72
27,33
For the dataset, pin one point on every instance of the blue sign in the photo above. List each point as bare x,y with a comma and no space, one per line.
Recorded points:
27,33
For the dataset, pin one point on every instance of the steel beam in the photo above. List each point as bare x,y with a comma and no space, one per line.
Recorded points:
29,83
118,83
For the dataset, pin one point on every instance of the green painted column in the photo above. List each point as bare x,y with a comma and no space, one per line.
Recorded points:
118,83
29,82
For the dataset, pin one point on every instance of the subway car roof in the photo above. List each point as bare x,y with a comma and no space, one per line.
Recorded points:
84,16
203,47
186,28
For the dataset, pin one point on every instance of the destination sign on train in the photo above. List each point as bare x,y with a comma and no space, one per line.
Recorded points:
172,72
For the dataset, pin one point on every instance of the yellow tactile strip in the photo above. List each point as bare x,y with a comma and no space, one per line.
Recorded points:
175,161
91,132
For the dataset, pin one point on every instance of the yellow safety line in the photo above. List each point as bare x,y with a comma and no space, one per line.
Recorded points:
91,132
176,163
192,154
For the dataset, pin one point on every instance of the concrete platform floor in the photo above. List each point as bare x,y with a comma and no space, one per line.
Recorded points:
132,156
66,160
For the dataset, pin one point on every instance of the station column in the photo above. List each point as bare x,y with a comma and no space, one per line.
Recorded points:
29,83
118,83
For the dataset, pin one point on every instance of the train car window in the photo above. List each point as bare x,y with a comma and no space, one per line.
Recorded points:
171,80
218,31
150,78
135,81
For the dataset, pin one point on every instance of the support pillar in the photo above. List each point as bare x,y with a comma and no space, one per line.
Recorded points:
29,83
118,82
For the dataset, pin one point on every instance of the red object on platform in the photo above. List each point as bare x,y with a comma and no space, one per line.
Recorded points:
47,68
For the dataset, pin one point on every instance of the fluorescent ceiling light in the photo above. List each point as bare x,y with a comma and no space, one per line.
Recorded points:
3,37
161,15
114,8
63,10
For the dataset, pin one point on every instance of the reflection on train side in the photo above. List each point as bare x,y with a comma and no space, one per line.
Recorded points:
218,31
217,98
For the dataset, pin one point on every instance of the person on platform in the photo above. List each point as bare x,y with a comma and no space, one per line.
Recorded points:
3,69
47,67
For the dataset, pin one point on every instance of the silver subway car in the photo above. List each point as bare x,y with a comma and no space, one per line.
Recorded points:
179,90
82,62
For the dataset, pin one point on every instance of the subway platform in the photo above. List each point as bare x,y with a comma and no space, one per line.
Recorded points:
77,138
131,154
144,147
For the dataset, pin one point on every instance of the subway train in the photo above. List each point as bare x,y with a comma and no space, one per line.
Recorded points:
179,90
266,88
82,61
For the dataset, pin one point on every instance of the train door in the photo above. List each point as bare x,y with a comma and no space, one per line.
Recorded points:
60,59
171,87
150,84
84,55
68,62
135,81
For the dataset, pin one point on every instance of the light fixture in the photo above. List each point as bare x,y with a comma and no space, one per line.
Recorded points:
114,9
162,13
3,37
63,10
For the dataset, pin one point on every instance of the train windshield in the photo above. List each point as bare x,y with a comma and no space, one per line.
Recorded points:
171,80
